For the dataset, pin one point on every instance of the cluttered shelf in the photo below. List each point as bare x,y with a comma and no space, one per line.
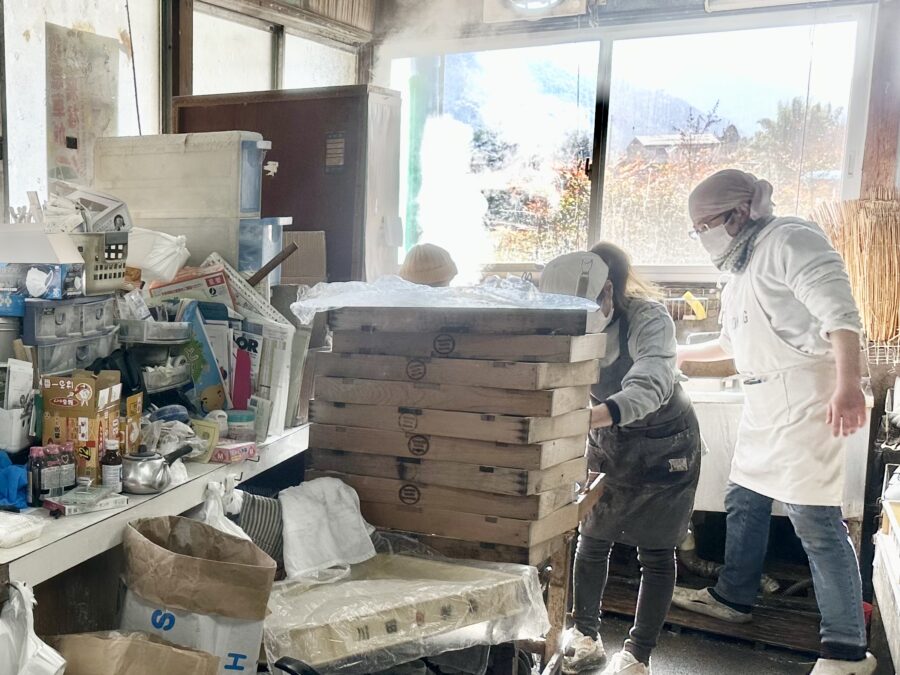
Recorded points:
59,549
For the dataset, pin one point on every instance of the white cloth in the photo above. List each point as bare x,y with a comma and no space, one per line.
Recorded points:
323,528
785,450
801,284
728,189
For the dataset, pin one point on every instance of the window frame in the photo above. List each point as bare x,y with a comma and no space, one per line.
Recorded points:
857,109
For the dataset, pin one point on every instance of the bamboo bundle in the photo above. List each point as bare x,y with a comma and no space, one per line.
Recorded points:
866,232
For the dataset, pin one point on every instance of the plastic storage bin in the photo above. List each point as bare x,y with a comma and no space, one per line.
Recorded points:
64,357
49,322
154,332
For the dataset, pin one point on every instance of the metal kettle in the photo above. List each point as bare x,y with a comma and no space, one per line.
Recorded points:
147,473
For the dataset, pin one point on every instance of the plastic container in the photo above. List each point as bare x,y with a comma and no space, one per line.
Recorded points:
64,357
242,425
154,332
52,322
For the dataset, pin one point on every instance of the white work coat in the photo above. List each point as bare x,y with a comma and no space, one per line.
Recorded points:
776,318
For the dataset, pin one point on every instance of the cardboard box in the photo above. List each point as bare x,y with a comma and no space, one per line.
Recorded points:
196,283
131,431
34,264
82,409
117,653
307,265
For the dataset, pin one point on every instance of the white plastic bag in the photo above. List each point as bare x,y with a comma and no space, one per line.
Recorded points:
158,255
212,511
21,651
17,528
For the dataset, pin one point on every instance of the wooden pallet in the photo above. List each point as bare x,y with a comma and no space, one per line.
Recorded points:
470,526
470,372
472,477
778,627
495,428
540,403
492,320
532,457
407,493
534,348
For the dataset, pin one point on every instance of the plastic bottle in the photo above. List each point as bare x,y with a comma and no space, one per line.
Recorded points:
111,467
50,474
35,469
67,479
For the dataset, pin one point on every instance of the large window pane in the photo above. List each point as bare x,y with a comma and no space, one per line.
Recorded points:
311,64
770,101
230,56
494,145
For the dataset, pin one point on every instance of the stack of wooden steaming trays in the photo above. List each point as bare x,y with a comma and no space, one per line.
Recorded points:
466,426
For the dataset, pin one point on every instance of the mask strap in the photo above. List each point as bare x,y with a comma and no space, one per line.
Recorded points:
586,265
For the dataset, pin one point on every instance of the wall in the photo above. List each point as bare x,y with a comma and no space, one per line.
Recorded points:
26,104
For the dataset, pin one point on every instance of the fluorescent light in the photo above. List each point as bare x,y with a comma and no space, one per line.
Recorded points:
732,5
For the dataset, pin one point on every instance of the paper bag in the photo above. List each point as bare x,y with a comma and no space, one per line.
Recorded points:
197,587
130,654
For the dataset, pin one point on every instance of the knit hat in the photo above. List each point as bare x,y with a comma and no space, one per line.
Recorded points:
581,273
428,264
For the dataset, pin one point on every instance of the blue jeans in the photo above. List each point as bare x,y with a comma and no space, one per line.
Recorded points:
835,569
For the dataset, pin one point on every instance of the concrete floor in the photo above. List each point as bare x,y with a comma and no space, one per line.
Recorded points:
694,653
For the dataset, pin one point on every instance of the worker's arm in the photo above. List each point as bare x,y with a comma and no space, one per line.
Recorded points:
847,408
651,379
816,275
703,352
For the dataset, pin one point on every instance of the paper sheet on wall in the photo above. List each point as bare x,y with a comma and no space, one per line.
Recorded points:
82,105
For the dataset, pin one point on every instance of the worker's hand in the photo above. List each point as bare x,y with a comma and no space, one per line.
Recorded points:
846,410
600,417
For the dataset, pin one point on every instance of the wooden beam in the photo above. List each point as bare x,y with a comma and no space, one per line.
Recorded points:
182,47
299,18
879,169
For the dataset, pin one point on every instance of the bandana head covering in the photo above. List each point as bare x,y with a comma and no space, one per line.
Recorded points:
726,190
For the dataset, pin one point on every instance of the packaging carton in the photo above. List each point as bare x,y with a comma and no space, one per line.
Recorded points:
83,409
307,265
34,264
207,283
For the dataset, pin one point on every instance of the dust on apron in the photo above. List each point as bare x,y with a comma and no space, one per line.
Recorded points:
784,449
652,467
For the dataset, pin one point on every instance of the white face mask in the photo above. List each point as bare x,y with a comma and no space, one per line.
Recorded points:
716,241
605,318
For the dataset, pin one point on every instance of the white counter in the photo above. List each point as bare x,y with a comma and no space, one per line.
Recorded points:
71,540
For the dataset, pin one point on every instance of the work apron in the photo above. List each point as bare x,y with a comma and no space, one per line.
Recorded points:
784,449
651,468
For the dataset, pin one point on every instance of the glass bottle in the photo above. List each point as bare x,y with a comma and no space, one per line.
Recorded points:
67,478
50,474
111,467
35,469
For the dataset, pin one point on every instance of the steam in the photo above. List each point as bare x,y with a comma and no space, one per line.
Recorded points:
451,205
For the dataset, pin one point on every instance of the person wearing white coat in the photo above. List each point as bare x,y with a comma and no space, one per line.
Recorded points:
791,325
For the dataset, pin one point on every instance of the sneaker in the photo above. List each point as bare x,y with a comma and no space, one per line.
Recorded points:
582,653
833,667
625,663
702,602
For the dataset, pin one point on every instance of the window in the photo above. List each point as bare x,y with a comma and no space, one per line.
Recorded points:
771,101
69,80
312,64
494,144
231,53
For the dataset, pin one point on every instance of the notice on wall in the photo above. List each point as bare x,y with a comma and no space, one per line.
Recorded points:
82,105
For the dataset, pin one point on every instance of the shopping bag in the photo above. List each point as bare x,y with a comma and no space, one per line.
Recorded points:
193,585
212,511
21,651
115,653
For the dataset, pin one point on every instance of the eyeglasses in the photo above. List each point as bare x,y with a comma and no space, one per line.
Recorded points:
709,224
